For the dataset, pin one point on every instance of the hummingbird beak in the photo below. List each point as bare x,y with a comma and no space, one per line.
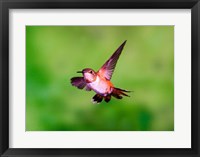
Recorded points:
79,71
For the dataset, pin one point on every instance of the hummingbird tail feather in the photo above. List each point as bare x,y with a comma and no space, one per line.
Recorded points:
97,98
107,98
117,93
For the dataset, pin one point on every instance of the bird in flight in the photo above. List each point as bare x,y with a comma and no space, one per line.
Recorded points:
99,81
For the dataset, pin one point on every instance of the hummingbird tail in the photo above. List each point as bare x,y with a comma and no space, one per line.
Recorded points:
107,98
117,93
97,98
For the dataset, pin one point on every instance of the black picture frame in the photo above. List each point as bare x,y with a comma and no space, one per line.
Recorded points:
5,5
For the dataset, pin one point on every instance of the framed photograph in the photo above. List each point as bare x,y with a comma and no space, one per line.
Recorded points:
103,78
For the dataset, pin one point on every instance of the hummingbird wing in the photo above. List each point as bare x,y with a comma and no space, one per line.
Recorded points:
109,66
80,83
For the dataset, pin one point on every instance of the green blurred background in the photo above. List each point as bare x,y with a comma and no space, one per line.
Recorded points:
146,66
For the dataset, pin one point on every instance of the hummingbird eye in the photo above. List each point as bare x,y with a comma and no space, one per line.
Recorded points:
91,72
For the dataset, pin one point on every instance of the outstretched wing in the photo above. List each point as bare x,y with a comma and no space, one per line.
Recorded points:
80,83
109,66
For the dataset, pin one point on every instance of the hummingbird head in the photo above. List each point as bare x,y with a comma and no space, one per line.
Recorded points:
89,74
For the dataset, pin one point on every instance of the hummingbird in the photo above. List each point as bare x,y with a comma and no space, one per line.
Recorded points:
99,81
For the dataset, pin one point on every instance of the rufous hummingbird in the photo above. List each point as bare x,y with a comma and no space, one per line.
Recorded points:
99,81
